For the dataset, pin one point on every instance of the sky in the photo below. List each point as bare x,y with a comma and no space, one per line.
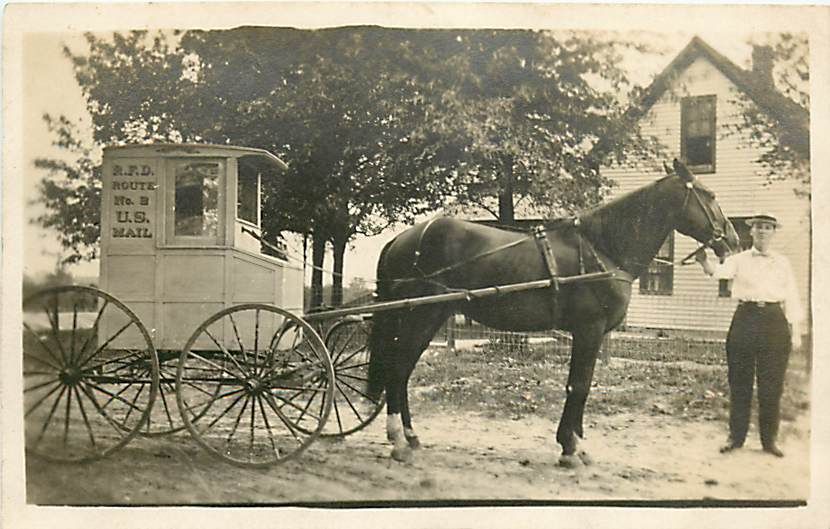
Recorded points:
49,87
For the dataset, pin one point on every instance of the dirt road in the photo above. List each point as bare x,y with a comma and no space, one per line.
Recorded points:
466,456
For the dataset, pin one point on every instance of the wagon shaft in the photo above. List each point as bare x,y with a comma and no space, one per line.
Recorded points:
456,296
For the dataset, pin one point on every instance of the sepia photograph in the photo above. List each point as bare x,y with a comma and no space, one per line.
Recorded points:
430,264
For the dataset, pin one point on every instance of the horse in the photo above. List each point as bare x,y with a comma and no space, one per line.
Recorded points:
446,254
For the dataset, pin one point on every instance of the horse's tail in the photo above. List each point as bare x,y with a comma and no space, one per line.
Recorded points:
383,331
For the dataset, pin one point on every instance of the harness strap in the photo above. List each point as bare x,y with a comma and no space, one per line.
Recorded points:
618,273
543,244
593,251
418,247
464,262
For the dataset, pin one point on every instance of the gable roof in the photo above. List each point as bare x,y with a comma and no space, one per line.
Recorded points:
794,118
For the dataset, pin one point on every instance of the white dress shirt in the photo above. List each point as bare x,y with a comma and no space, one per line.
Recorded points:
764,277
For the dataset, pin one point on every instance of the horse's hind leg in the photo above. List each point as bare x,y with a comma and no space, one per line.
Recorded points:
416,332
395,384
586,342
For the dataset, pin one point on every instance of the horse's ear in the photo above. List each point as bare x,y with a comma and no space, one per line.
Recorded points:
682,171
667,169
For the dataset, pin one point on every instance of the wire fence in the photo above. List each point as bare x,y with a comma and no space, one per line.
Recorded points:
631,343
675,342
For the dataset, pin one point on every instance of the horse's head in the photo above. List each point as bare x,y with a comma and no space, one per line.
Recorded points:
700,216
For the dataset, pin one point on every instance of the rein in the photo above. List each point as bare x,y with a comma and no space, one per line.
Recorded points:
717,233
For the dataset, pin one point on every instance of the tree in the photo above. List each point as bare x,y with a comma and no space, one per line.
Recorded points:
297,93
530,115
120,79
775,116
341,106
377,125
71,193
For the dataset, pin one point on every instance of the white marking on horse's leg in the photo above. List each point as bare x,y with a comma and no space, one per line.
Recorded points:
395,433
394,427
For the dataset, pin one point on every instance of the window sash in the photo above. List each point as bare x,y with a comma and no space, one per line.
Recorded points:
658,278
247,199
195,209
698,132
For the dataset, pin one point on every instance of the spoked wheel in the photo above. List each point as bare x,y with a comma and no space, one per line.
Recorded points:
254,385
165,418
90,374
353,409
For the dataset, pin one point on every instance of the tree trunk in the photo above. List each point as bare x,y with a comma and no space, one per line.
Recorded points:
339,243
318,256
506,213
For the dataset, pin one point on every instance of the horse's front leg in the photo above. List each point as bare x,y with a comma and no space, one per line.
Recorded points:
406,418
586,342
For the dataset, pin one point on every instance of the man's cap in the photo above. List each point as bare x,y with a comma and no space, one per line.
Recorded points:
763,217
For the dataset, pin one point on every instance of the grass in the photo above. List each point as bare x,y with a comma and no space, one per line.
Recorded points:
515,385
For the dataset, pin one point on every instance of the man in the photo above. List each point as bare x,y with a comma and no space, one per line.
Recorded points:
764,329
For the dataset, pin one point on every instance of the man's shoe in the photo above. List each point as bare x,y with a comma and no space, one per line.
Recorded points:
728,447
774,450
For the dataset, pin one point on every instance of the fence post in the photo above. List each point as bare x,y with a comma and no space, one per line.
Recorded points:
605,349
451,333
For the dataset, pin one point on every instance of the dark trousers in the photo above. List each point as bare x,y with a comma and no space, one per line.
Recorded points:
758,344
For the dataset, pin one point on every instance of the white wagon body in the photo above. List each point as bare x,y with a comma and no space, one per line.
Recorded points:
174,241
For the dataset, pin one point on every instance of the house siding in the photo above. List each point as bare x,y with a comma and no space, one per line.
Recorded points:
740,185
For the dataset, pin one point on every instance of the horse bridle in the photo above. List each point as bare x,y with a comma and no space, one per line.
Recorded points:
717,233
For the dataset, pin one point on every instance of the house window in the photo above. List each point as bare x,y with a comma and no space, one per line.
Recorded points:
658,278
725,285
697,136
247,193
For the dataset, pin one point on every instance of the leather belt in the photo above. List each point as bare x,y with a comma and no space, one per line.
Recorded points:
760,304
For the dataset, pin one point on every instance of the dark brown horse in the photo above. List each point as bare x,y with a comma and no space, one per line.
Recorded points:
446,254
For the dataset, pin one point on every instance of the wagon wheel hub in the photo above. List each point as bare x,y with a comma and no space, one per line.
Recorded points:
70,376
254,386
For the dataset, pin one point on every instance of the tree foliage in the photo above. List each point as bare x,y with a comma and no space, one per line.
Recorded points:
524,113
777,119
71,193
378,126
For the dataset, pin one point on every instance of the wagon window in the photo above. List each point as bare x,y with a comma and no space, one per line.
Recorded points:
658,278
247,193
197,199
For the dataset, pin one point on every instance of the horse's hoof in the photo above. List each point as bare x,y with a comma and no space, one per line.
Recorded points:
402,454
414,442
585,458
570,461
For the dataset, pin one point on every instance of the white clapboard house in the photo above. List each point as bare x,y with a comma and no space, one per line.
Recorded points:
692,107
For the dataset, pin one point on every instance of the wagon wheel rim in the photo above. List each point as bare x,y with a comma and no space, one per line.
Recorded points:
352,408
90,372
246,368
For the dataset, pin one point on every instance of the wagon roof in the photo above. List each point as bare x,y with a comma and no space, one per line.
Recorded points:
172,150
